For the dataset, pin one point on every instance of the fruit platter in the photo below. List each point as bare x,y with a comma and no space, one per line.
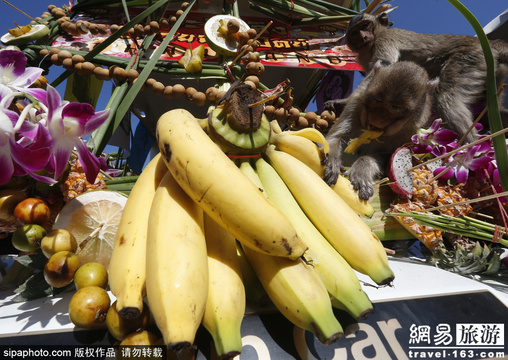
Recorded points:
212,234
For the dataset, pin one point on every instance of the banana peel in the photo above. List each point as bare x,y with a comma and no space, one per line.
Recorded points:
192,60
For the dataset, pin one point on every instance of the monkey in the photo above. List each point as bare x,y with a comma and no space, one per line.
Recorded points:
457,60
394,98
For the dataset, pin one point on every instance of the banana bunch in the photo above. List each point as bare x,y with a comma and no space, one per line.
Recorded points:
217,219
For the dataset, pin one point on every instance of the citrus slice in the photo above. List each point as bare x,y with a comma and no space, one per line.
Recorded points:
37,32
93,219
216,41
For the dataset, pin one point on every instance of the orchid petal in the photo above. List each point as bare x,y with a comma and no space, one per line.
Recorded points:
26,78
28,157
12,63
62,149
88,161
447,175
39,94
95,121
5,164
444,136
462,174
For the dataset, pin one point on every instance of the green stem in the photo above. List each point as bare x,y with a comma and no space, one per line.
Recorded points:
495,122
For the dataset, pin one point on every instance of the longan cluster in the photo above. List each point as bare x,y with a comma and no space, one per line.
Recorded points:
298,120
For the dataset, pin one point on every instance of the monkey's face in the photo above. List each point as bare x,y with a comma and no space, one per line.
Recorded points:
395,97
361,36
378,113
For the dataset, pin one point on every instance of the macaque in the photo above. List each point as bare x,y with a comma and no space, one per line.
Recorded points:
457,60
394,99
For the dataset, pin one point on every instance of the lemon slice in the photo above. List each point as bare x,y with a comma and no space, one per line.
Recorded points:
37,32
218,43
93,219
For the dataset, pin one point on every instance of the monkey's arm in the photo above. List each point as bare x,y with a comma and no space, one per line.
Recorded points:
337,139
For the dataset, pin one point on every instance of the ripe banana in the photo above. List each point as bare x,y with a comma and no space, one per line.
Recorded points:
313,135
301,148
338,277
254,291
298,293
338,223
225,304
177,270
213,181
127,269
345,190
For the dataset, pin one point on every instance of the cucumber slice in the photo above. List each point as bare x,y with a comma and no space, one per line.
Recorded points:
37,32
216,41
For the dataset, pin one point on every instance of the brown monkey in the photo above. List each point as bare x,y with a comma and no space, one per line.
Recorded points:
394,98
457,60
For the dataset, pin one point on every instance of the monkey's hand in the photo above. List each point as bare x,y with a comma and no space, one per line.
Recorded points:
336,105
362,175
332,170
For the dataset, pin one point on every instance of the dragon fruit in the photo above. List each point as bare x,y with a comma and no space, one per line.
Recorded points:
401,180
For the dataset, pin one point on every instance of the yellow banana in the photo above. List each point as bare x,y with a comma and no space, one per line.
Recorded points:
127,269
313,135
225,304
254,291
338,223
345,190
214,182
298,293
177,270
301,148
338,277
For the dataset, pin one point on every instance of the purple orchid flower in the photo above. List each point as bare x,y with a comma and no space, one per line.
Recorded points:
473,158
15,76
427,140
24,148
67,124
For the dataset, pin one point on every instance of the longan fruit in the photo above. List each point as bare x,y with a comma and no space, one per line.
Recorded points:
211,93
293,114
87,68
198,98
269,110
68,64
321,124
301,123
233,26
132,74
311,117
178,90
168,92
329,116
158,88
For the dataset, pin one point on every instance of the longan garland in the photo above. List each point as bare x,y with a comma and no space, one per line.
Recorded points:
247,45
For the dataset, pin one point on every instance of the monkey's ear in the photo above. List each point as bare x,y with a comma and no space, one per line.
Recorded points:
383,19
432,84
